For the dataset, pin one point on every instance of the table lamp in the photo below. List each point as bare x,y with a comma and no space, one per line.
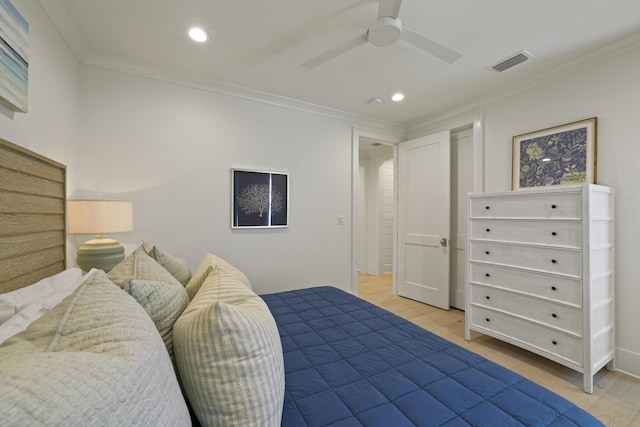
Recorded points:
99,218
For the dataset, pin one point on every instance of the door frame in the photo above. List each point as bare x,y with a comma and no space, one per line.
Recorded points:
474,118
356,134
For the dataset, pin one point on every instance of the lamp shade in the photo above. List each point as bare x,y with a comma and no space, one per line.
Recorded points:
100,216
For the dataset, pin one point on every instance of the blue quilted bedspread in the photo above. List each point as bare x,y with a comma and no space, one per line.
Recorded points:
350,363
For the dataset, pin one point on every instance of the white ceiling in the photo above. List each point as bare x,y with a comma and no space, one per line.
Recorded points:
261,44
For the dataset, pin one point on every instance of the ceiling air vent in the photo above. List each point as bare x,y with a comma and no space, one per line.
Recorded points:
511,61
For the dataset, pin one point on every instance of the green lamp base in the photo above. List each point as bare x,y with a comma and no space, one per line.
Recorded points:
102,252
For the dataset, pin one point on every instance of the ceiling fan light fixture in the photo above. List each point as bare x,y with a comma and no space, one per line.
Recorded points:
397,97
197,34
385,32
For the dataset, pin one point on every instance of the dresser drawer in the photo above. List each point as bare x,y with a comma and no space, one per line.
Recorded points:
554,233
521,205
558,261
522,331
554,288
545,312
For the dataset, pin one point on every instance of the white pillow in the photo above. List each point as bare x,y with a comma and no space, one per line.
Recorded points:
48,292
94,359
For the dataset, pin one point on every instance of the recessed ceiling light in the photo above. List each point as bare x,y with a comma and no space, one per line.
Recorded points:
397,97
198,34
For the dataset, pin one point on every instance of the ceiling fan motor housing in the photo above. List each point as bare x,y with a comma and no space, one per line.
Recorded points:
385,32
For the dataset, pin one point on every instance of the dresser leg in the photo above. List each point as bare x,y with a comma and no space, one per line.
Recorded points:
588,382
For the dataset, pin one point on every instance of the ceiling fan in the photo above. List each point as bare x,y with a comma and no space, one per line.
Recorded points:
385,31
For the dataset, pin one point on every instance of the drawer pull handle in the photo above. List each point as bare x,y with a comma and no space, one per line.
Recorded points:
487,274
487,252
488,297
554,342
554,261
554,206
553,288
553,233
487,319
487,207
488,230
555,316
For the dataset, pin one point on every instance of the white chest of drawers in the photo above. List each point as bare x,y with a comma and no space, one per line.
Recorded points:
540,273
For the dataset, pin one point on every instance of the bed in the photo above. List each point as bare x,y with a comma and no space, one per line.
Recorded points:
350,363
153,343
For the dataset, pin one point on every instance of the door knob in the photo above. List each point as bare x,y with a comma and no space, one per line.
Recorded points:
443,242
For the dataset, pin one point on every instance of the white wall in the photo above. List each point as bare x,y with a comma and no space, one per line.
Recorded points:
386,210
362,216
50,127
609,90
169,148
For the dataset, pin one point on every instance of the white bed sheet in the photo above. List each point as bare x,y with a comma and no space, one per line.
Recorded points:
19,308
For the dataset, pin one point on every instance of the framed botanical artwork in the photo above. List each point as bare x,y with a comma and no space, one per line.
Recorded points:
14,58
259,199
561,155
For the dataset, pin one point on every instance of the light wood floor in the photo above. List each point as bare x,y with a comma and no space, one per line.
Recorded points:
616,397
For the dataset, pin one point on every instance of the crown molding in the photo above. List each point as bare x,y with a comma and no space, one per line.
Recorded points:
59,15
607,51
227,89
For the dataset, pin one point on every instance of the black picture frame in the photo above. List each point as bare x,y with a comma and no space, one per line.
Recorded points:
259,199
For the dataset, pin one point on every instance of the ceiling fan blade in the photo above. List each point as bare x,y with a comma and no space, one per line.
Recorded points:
389,8
430,46
335,51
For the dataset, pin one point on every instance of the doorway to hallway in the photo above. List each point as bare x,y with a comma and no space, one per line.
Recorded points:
466,176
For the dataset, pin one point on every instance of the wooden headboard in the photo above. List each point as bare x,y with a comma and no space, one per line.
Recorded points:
32,217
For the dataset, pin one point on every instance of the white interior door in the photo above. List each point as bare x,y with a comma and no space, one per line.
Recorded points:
424,173
461,184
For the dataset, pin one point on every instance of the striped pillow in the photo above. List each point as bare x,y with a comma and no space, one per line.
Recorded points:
208,264
229,355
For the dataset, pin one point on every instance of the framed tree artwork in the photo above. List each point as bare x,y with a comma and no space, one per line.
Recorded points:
561,155
259,199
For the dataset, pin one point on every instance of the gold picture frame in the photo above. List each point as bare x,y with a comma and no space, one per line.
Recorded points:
560,155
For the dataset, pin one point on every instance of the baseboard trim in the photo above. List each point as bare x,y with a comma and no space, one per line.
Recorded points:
628,362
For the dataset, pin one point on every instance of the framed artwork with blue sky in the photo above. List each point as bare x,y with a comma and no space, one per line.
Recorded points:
14,58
